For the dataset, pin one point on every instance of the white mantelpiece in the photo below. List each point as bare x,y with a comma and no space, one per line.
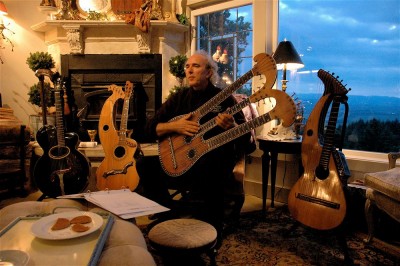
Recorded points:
116,37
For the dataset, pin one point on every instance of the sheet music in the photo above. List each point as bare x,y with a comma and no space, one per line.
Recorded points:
124,203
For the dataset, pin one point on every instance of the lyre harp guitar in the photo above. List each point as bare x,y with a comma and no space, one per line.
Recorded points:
285,109
317,199
177,152
118,169
62,169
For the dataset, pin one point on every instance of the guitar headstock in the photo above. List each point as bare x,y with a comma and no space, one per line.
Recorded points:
266,66
128,89
117,90
332,84
57,85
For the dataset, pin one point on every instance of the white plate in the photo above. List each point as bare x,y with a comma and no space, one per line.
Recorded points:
42,227
13,257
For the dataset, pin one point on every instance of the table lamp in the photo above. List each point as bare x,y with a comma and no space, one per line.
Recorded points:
286,57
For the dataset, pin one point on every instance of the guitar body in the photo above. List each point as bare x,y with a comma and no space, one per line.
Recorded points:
47,137
118,169
186,151
62,170
120,158
317,203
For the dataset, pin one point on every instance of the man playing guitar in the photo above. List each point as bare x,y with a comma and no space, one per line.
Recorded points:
207,176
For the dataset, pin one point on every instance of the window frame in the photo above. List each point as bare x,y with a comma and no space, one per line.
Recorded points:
266,16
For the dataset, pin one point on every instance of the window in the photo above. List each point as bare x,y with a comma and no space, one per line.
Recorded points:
359,41
228,35
352,39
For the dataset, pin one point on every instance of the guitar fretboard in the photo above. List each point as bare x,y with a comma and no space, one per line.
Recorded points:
238,131
225,93
59,117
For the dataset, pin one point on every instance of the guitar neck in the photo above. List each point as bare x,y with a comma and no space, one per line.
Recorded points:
232,110
238,131
330,134
59,118
225,93
124,121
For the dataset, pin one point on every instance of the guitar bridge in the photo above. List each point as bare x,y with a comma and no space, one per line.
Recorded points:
118,172
322,202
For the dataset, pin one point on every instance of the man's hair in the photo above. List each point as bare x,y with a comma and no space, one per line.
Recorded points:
211,64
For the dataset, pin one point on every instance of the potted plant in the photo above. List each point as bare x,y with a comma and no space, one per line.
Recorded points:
34,94
177,68
40,60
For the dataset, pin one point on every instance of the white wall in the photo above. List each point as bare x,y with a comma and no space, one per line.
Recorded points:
15,76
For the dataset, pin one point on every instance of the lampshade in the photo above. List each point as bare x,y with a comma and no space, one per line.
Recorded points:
3,9
287,54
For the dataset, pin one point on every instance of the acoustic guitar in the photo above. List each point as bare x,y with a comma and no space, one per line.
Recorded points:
178,153
118,169
187,155
317,199
62,169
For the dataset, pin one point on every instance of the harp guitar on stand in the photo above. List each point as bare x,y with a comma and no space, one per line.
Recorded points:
118,169
317,199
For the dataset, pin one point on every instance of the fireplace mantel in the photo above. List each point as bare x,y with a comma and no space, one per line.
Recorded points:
80,32
116,37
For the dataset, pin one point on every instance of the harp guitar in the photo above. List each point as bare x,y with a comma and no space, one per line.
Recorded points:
118,169
178,153
317,199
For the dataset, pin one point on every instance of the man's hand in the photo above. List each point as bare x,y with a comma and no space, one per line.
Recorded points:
226,121
183,126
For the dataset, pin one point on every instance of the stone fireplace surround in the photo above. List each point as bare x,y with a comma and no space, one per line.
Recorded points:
95,54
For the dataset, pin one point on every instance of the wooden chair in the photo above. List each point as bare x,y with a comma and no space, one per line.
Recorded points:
383,193
13,155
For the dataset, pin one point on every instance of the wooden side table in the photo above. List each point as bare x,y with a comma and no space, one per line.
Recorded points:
270,149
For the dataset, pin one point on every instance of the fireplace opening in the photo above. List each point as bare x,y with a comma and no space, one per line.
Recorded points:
89,76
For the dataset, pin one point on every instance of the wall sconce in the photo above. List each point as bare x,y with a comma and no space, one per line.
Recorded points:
286,57
3,12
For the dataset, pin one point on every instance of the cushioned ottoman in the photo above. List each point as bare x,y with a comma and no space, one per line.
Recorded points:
124,246
179,241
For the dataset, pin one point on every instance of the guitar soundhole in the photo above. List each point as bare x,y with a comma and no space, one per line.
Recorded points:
187,139
59,152
119,152
106,127
310,132
321,172
191,154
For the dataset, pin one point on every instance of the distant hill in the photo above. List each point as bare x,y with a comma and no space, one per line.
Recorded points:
360,107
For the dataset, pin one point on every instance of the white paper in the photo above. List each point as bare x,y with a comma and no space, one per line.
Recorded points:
124,203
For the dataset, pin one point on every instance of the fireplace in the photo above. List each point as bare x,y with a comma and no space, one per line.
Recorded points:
88,76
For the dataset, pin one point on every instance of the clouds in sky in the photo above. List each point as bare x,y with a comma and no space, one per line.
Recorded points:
357,39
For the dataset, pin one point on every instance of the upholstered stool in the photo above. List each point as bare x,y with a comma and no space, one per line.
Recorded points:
383,192
179,241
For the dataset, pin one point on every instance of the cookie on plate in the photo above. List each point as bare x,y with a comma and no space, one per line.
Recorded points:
61,223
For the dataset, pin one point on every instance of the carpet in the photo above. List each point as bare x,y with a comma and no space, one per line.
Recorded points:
277,239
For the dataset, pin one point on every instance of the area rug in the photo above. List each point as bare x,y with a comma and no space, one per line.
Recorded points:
277,239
